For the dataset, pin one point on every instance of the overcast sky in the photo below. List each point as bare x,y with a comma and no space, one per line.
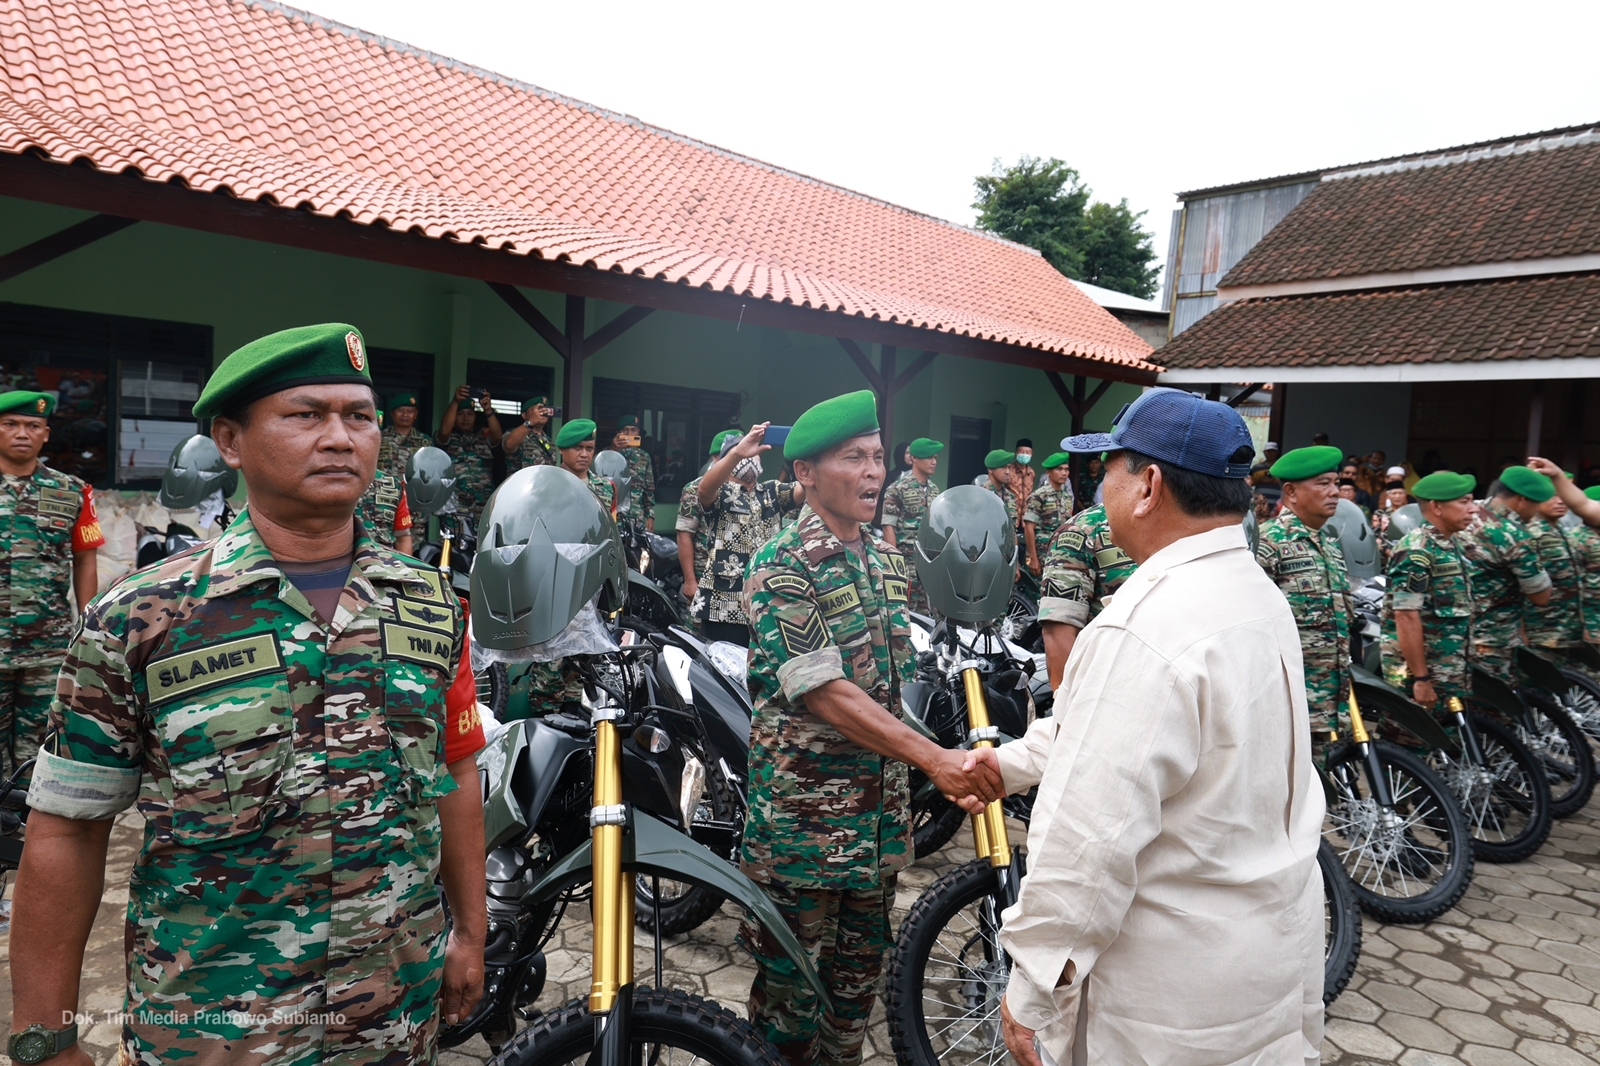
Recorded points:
908,101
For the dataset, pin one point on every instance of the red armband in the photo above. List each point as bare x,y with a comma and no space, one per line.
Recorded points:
463,730
402,514
86,533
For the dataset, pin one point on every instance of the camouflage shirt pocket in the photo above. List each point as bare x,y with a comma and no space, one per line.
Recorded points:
226,772
417,738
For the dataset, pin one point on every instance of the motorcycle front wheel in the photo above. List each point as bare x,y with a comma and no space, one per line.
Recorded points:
1341,948
947,974
1562,748
668,1027
1506,799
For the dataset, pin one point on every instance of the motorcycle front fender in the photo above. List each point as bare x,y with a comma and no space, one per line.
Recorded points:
653,847
1389,702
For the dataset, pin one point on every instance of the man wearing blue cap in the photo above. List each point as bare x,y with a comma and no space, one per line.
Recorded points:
1173,849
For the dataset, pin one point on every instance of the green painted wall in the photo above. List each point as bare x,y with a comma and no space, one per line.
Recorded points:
244,289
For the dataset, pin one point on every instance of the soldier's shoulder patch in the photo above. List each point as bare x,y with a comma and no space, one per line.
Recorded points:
788,583
803,636
1071,540
892,559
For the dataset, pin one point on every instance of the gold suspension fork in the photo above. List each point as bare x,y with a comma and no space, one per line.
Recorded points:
445,538
989,836
1358,728
611,907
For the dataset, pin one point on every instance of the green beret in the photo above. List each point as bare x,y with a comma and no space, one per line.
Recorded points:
403,399
1444,485
1305,463
38,404
1525,481
1593,492
627,420
997,458
716,442
575,432
535,401
923,448
1056,460
380,419
330,354
832,422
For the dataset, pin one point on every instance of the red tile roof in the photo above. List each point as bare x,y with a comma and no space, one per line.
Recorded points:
1520,200
272,103
1551,317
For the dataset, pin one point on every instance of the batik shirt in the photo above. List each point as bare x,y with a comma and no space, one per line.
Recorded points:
824,811
741,520
384,510
1047,508
1082,569
394,452
1308,566
1428,574
471,454
284,907
1559,623
1505,570
44,518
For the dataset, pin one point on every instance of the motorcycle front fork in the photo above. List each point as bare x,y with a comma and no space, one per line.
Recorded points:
990,837
1377,780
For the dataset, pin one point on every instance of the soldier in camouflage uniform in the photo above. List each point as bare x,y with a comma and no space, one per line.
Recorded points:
1427,605
48,537
828,828
529,444
575,443
400,435
1048,506
906,504
1505,569
470,449
1556,628
742,514
1584,541
1082,568
998,463
1301,554
291,707
385,514
642,486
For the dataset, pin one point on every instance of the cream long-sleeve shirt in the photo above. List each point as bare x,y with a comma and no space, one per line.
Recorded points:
1172,855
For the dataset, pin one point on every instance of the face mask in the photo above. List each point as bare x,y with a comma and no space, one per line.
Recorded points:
748,469
1024,458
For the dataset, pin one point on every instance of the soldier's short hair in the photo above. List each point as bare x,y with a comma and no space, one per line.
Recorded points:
1197,495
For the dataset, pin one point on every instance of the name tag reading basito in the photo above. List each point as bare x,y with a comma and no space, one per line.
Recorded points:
839,601
172,677
426,647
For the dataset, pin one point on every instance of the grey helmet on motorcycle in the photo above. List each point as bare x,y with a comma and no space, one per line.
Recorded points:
613,466
430,483
966,554
1357,540
547,548
1403,521
194,471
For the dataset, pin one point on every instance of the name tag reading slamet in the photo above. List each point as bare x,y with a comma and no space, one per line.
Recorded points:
425,647
175,676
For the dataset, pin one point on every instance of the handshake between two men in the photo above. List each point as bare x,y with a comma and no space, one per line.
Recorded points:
970,779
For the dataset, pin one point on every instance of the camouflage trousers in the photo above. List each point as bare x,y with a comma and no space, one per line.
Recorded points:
846,934
1497,659
25,696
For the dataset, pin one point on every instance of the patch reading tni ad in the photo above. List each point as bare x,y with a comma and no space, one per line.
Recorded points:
172,677
804,636
426,647
895,590
63,503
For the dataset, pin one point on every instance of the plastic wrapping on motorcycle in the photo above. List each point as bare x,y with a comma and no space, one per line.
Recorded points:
195,470
1386,701
1403,521
613,466
430,483
653,847
1357,540
586,634
547,550
966,554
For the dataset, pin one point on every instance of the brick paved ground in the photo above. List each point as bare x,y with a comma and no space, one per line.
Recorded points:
1511,976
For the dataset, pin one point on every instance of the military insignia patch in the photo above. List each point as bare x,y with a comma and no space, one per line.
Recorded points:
1071,541
1106,558
352,344
804,637
40,404
895,590
791,585
839,601
423,614
897,563
426,647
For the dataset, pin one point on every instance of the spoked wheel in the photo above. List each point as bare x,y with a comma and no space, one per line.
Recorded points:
1563,751
1581,701
1341,924
493,687
669,1027
934,819
1506,799
1409,862
1022,615
947,974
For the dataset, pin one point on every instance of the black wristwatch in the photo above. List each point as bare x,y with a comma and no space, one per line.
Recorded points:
36,1043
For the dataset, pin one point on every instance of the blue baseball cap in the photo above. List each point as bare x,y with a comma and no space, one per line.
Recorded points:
1177,427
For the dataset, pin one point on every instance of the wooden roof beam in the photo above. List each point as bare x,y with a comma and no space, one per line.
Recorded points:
60,243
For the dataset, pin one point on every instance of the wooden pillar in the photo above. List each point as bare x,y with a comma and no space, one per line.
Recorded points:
1535,419
1572,450
1280,400
886,358
1075,464
572,386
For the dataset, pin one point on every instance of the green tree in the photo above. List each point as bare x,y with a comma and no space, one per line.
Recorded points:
1044,204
